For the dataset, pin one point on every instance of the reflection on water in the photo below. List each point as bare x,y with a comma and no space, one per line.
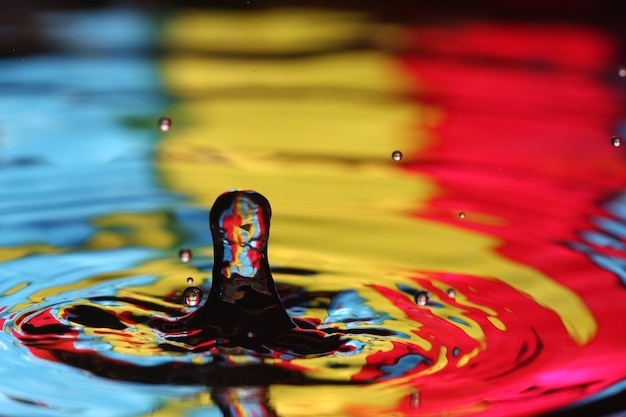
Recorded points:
479,270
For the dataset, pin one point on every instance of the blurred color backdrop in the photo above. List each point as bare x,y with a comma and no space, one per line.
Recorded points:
505,201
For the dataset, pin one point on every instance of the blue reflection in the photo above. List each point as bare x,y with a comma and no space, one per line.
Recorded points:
350,308
89,32
405,364
610,230
67,155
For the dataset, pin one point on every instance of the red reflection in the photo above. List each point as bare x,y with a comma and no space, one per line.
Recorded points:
525,138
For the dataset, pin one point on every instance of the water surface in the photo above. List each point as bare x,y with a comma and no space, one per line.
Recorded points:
512,308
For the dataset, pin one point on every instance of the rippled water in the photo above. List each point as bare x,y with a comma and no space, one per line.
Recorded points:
448,206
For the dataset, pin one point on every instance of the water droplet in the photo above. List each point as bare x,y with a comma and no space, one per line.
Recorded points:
451,293
456,352
396,155
192,296
616,141
461,215
251,335
189,280
622,72
421,298
185,255
414,399
165,124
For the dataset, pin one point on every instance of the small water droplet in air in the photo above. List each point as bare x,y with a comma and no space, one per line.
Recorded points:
461,215
189,280
414,399
421,298
451,293
251,335
185,255
616,141
396,155
165,124
192,296
621,72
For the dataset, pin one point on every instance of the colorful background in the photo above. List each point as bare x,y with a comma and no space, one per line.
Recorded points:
510,192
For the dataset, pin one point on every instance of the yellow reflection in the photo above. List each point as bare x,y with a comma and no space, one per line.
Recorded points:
323,160
463,360
182,406
15,289
440,363
355,75
315,134
497,323
337,401
132,229
16,252
272,31
169,276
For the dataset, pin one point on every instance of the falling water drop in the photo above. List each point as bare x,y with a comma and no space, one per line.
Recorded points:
451,293
192,296
421,298
622,72
616,141
165,124
189,281
396,155
461,215
414,399
185,255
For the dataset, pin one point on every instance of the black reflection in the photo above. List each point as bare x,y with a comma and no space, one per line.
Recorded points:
243,315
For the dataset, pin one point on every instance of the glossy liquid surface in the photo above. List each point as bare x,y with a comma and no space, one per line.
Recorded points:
485,262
